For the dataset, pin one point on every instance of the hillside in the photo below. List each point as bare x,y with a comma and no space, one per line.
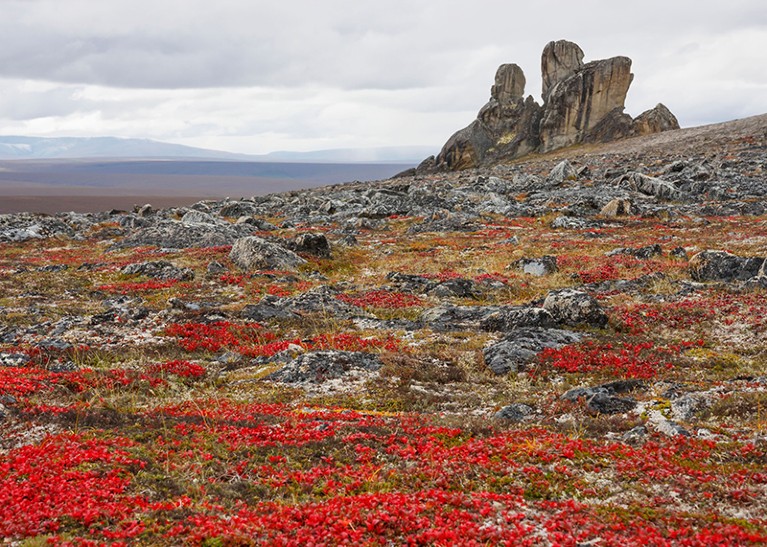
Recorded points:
565,349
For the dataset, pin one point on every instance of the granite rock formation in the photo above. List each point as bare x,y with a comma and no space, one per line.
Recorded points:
581,103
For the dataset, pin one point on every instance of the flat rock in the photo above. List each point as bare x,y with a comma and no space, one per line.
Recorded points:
160,269
723,266
318,366
255,253
574,307
521,346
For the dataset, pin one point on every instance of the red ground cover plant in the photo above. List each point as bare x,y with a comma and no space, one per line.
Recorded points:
317,476
130,287
625,360
382,299
253,340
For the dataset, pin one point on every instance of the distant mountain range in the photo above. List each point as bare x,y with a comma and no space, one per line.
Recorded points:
31,148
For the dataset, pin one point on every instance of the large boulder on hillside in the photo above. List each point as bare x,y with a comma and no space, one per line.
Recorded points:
655,120
521,347
574,307
723,266
255,253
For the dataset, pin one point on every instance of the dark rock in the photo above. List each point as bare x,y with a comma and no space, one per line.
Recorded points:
461,288
512,317
610,388
314,244
521,346
515,412
269,307
723,266
574,307
160,269
608,404
569,223
316,367
255,253
635,435
679,252
215,268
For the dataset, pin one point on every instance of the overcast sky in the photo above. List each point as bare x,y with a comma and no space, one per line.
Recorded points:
257,76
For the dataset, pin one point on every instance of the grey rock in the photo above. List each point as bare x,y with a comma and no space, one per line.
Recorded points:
508,318
574,307
515,412
521,346
14,359
635,435
723,266
650,186
319,366
655,120
686,407
198,217
603,403
569,223
461,288
315,244
610,388
160,269
268,308
176,235
538,267
255,253
562,172
215,268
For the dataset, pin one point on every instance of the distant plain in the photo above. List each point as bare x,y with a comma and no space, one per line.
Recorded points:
49,186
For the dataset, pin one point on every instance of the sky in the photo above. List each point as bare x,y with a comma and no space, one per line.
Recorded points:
256,76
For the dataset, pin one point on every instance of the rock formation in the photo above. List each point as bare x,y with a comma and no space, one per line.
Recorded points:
581,103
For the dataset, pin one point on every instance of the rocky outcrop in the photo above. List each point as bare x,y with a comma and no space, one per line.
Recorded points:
505,126
581,103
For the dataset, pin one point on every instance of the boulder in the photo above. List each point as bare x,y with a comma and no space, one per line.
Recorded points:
616,208
160,269
538,267
655,120
723,266
314,244
650,186
574,307
515,412
521,346
255,253
318,366
563,171
601,403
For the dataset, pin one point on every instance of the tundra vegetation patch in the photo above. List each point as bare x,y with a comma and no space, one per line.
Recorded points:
490,357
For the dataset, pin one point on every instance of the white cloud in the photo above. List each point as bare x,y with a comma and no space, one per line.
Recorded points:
256,76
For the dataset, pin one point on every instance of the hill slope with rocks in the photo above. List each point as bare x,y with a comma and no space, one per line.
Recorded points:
564,349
